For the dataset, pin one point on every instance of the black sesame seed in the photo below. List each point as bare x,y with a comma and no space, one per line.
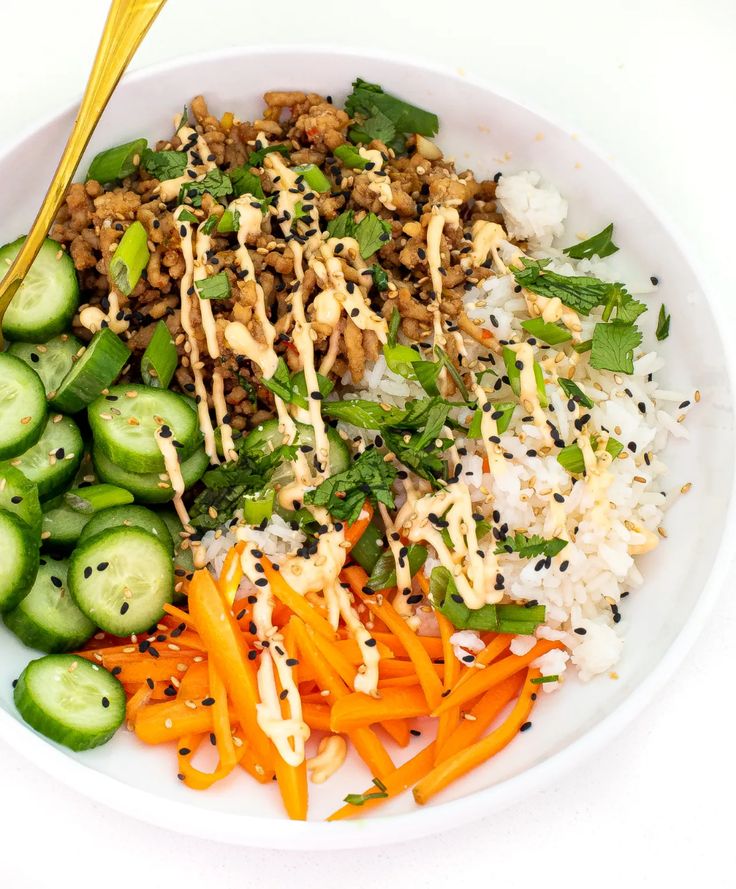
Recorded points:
105,702
581,631
208,702
124,608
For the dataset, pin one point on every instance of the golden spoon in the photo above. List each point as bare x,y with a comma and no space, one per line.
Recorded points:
127,24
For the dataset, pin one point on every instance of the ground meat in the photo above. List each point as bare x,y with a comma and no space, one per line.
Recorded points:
353,337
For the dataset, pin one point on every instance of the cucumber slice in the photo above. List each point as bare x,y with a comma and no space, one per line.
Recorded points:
121,579
19,495
128,517
183,559
70,700
125,421
48,618
22,406
64,520
54,460
52,361
96,369
150,487
266,437
48,297
18,560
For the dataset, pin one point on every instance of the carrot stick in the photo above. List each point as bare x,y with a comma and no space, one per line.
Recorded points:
397,730
219,631
155,670
298,604
231,573
358,710
135,704
492,650
221,719
193,777
449,719
431,644
482,680
428,679
398,682
159,723
195,683
487,708
336,659
354,532
368,746
180,615
463,762
396,667
395,783
316,716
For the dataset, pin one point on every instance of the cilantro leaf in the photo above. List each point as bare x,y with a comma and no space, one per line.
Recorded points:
382,116
580,293
613,347
372,233
380,278
215,183
572,390
164,164
663,324
342,226
214,287
369,478
623,303
280,382
531,547
255,158
598,245
383,576
246,182
292,389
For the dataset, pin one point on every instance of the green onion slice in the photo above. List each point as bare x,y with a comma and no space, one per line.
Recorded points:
159,361
130,258
116,163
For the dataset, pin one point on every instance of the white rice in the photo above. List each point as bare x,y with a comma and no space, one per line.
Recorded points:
533,210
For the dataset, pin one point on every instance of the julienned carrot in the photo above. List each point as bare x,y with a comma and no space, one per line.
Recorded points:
180,615
193,777
336,659
354,532
396,667
298,604
482,680
316,716
448,720
460,764
135,704
292,781
221,719
219,631
397,730
431,644
398,682
368,746
395,783
493,649
231,573
359,710
159,723
147,668
428,679
195,683
483,713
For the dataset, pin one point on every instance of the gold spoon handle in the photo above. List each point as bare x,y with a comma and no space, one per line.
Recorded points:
126,25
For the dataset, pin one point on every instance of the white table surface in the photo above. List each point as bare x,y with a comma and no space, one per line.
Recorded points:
654,81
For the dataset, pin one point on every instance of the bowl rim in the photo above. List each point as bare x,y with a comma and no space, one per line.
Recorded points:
275,833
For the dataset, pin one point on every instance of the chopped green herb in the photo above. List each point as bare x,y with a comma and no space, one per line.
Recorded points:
299,392
541,680
531,547
208,226
501,411
599,245
383,576
400,359
393,328
229,222
513,372
663,324
350,156
342,226
583,347
380,278
214,287
613,347
580,293
572,390
255,158
553,334
384,117
360,799
372,233
244,181
187,216
215,183
164,165
626,307
571,458
369,477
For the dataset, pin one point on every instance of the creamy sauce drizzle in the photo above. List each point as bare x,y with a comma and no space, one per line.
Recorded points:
173,470
441,216
330,756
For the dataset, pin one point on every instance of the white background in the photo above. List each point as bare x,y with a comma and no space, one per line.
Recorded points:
654,82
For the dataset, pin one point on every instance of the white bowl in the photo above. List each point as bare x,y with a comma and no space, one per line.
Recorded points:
486,132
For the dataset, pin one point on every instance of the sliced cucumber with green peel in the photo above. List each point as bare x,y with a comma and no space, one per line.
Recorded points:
48,618
130,516
52,361
22,406
48,297
19,495
267,437
54,460
18,560
150,487
70,700
121,579
97,368
124,425
65,518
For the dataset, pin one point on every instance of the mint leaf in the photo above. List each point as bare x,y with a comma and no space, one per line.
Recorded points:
580,293
599,245
613,347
